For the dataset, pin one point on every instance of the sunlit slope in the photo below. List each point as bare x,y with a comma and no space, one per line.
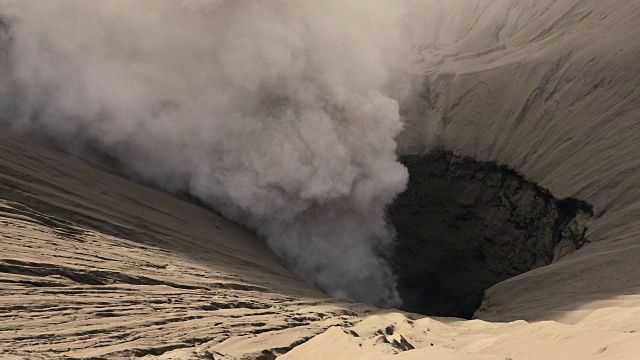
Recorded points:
552,89
95,265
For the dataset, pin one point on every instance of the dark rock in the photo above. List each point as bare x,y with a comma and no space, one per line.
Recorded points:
403,344
463,226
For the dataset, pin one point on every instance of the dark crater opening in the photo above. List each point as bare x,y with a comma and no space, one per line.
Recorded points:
464,225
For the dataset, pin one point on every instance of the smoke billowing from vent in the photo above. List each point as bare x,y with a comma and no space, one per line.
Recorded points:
277,113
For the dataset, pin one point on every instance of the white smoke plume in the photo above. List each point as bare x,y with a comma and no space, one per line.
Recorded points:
280,114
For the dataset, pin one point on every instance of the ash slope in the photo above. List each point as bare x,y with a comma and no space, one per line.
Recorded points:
96,266
551,89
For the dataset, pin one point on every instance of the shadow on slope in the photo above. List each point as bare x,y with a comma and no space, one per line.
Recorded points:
69,195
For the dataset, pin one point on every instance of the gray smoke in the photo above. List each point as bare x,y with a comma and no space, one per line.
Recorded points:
280,114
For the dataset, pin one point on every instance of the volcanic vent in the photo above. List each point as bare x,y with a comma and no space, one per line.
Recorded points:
463,226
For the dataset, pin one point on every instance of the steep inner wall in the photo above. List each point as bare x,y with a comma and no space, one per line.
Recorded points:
464,225
551,89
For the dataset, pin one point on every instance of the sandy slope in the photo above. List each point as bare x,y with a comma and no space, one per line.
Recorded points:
551,88
94,265
453,339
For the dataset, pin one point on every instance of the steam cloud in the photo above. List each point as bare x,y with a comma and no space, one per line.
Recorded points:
277,113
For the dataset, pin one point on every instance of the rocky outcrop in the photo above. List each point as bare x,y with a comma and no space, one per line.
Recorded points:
463,226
